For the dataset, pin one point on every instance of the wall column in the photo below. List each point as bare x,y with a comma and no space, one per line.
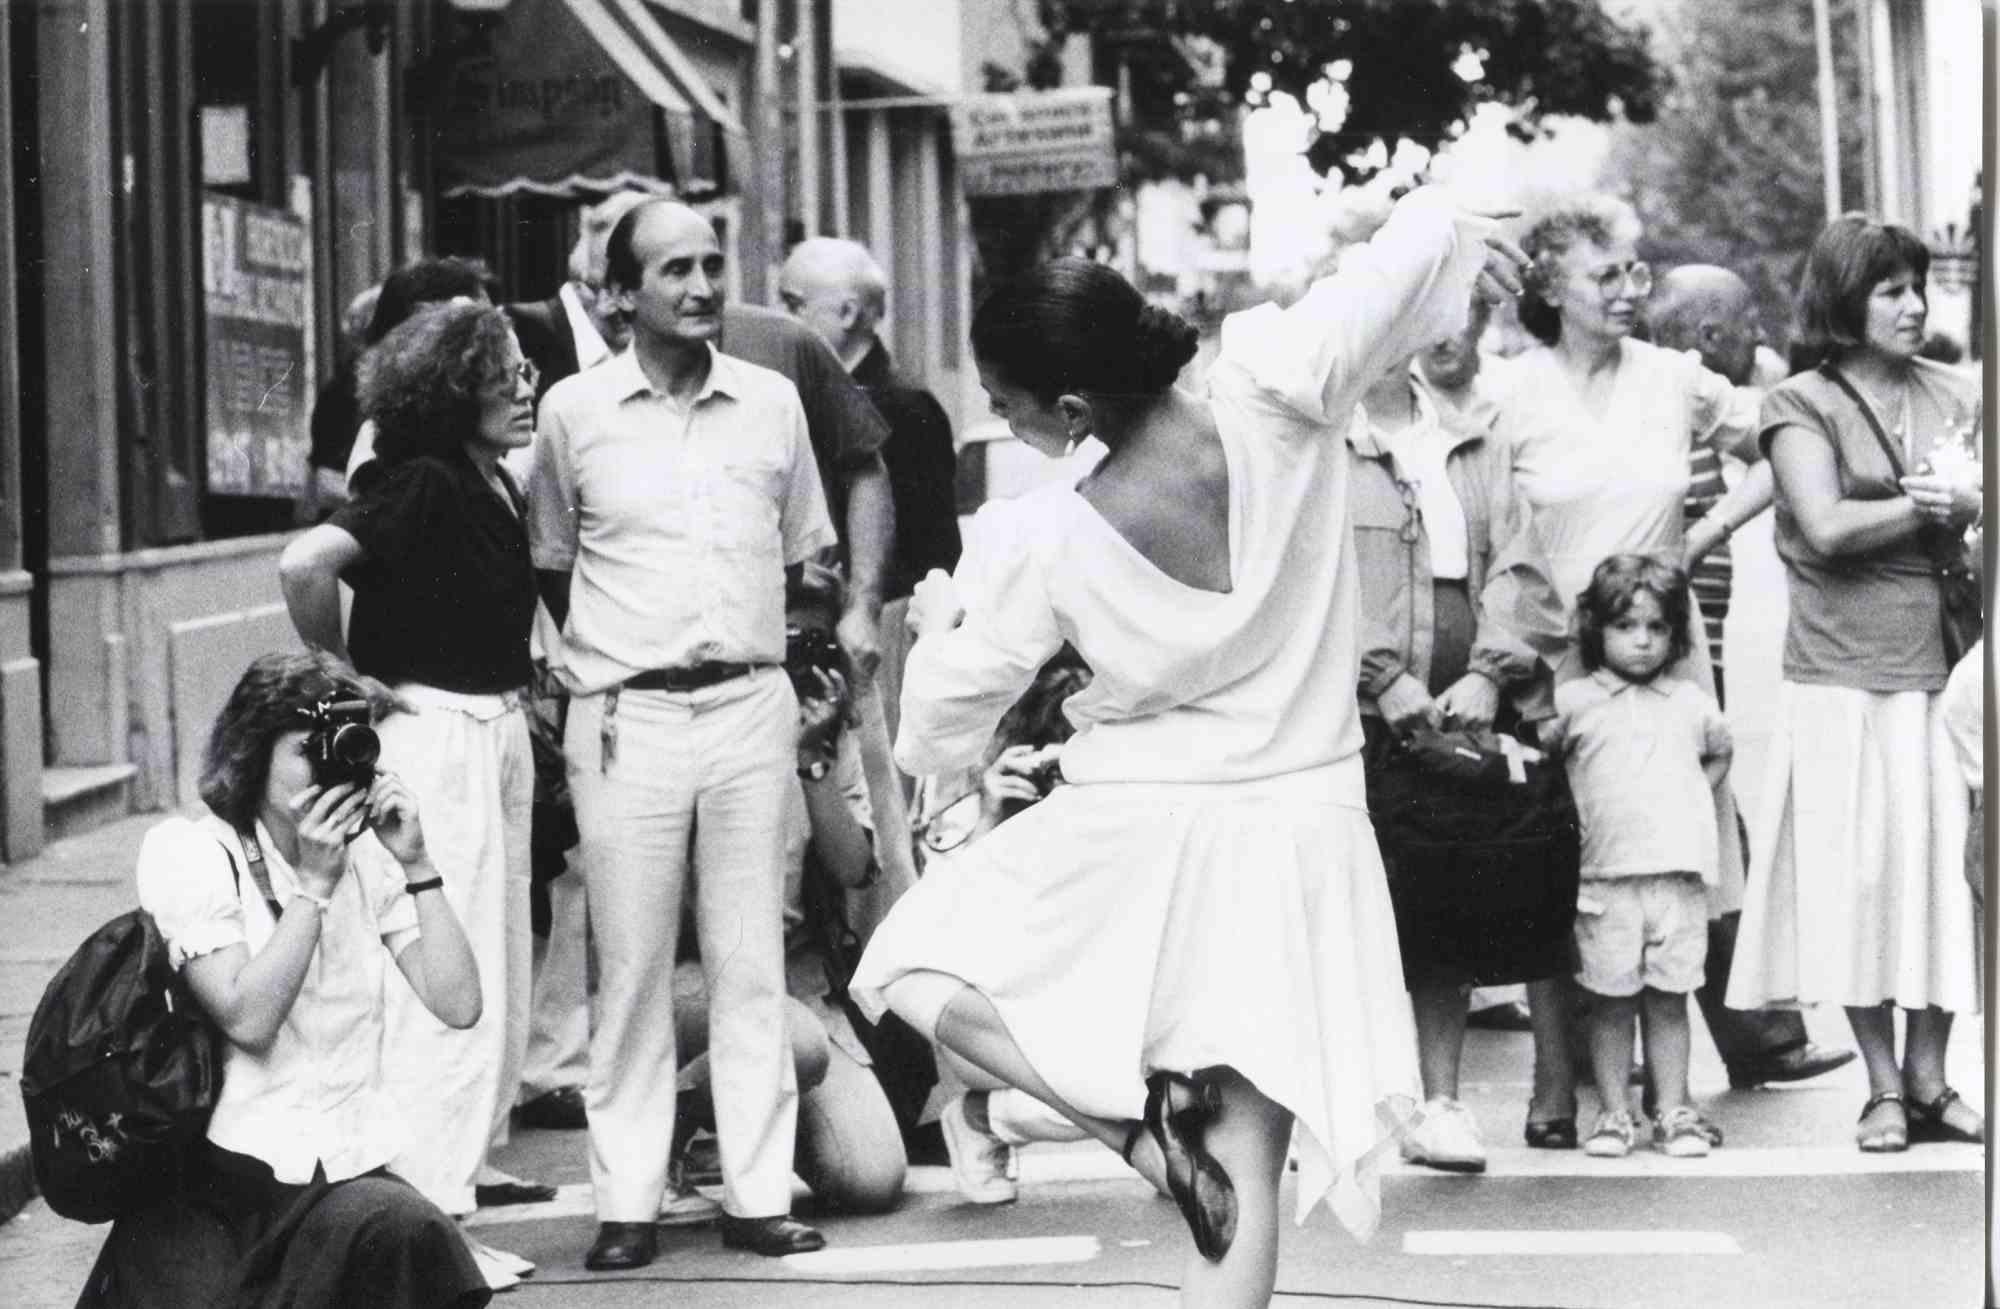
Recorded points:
79,175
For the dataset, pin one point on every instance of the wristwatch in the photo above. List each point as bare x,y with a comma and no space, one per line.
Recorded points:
816,770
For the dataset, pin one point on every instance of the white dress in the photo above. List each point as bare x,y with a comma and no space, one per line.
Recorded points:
1208,891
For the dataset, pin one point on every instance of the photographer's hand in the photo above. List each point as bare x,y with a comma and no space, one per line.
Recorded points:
328,818
821,715
392,813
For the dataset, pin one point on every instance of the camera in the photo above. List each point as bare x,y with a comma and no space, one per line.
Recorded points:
1046,774
340,745
808,649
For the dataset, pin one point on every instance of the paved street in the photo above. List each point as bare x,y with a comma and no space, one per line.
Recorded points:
1787,1214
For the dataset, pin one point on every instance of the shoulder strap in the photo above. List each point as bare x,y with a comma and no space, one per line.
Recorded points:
1874,424
254,854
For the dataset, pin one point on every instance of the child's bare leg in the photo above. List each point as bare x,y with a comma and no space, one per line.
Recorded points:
1611,1019
1667,1039
1248,1138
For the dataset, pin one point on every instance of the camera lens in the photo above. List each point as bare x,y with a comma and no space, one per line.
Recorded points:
354,745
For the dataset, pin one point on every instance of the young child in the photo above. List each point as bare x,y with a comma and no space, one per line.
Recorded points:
1644,753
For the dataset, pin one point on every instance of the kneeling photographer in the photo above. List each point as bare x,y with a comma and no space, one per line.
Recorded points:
277,907
850,1147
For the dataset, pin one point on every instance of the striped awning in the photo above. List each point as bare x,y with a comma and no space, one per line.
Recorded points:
574,97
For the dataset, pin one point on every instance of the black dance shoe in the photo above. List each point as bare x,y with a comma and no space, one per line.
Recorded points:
1178,1111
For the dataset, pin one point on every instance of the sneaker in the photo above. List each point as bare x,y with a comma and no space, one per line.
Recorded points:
1446,1137
682,1205
1613,1136
981,1163
1683,1134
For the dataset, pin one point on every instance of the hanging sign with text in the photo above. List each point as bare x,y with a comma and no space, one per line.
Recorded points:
1035,141
255,265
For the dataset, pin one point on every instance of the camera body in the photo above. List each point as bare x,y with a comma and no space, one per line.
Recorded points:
808,649
1047,772
341,744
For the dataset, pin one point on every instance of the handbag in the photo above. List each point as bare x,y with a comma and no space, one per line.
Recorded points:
1961,616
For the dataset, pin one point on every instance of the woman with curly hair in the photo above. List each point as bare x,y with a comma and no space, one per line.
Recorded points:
444,597
282,907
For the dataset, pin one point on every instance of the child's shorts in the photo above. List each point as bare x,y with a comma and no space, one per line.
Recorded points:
1645,931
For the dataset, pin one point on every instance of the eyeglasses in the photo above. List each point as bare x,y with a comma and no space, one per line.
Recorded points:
1612,279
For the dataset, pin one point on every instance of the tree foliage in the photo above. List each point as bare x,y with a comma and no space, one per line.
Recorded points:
1730,171
1404,64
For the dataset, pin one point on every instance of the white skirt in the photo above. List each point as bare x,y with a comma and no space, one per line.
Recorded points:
1857,888
1120,928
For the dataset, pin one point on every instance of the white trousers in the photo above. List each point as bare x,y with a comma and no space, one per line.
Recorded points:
559,1019
465,759
674,775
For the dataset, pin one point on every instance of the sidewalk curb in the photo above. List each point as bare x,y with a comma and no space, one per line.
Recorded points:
17,1182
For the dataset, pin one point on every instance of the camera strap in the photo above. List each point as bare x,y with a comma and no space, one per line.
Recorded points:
253,854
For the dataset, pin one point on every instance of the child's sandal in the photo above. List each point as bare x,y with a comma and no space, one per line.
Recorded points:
1884,1140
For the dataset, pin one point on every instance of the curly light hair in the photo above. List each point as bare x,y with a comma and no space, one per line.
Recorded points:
275,695
421,384
1598,219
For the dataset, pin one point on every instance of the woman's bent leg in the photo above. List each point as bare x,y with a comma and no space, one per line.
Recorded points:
1248,1138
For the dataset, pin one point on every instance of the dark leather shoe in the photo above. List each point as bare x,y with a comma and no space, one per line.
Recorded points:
778,1235
560,1110
506,1193
622,1245
1793,1065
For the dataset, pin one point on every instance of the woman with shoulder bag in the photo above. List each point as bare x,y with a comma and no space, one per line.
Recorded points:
1857,896
1458,617
276,906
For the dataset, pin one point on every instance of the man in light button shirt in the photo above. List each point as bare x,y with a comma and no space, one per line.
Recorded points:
672,488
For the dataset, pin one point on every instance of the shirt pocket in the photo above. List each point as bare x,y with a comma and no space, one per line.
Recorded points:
742,502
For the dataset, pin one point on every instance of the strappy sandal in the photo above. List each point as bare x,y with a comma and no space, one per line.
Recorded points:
1178,1111
1884,1140
1928,1121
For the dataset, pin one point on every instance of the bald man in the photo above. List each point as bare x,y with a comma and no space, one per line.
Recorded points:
673,487
1712,312
836,288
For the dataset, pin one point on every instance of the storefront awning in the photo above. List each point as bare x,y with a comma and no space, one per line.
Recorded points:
573,97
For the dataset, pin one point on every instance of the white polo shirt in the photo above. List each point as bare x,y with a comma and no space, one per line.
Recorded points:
676,521
314,1095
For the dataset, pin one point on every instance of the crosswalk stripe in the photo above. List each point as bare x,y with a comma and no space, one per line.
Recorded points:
1506,1241
934,1256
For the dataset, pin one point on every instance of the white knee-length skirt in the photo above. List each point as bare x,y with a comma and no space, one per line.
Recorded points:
1122,928
1857,888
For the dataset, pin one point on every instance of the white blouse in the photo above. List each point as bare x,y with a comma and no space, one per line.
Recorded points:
314,1096
1192,685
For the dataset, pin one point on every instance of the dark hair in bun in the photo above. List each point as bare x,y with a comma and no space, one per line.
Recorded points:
1072,326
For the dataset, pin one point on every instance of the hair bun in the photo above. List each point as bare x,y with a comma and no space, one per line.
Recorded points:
1162,344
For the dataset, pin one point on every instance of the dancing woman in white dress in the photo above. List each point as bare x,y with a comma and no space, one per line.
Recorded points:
1190,948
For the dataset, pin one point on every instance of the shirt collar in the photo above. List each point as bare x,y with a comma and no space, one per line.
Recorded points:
873,370
1613,684
627,379
1370,440
591,348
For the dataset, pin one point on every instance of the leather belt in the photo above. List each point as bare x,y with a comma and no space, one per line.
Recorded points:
691,678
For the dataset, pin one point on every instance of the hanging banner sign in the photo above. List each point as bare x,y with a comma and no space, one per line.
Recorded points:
256,263
1035,141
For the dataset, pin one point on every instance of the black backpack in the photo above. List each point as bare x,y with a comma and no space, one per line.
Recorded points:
121,1072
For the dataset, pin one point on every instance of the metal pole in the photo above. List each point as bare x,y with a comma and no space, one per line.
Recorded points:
767,130
1829,106
805,44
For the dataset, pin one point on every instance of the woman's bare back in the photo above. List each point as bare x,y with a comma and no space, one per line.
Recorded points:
1166,492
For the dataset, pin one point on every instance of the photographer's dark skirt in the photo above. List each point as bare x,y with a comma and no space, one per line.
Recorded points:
1484,885
235,1237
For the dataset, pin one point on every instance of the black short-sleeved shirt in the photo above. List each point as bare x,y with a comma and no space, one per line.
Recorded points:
336,417
845,430
923,473
445,594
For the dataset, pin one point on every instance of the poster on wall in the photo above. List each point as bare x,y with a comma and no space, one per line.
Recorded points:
256,266
1033,141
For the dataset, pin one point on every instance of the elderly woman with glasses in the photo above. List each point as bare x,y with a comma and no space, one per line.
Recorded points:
1460,627
444,596
1601,426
